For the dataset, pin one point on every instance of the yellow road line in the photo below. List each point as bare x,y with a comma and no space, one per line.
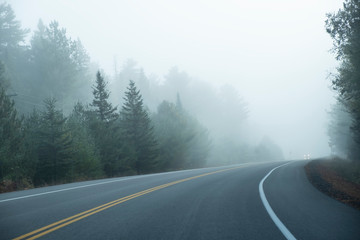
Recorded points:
64,222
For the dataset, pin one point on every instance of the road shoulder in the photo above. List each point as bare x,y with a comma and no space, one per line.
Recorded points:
329,181
304,210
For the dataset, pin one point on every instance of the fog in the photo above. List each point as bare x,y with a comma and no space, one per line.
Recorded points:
275,54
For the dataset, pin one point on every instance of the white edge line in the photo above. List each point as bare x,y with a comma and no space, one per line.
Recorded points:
272,214
89,185
94,184
84,186
65,189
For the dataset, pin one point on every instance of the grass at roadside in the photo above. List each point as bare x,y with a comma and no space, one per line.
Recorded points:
337,178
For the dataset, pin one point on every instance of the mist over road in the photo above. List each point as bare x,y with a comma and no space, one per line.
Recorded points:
209,203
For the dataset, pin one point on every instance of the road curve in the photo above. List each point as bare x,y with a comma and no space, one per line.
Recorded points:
209,203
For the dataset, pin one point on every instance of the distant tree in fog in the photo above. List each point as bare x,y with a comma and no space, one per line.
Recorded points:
12,46
104,110
341,139
267,150
183,141
130,70
59,65
233,111
344,29
137,130
12,35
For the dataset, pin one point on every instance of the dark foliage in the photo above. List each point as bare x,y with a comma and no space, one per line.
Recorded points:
137,131
54,145
344,29
11,139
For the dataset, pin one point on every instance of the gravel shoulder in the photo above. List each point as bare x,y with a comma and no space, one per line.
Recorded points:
336,179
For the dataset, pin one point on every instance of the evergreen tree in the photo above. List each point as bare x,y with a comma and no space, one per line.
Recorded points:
103,109
138,130
170,129
130,70
85,158
32,128
12,46
183,142
11,33
55,147
11,138
104,127
4,82
267,150
58,66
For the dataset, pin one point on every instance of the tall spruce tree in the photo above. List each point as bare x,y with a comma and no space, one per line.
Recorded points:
105,112
12,38
138,130
54,147
104,127
11,32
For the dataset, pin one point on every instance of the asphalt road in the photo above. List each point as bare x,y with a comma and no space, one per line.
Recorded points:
212,203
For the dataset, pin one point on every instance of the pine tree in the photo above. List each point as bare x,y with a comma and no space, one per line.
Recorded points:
171,132
104,110
11,138
11,36
138,130
11,32
58,66
4,81
55,145
86,160
104,127
13,51
32,129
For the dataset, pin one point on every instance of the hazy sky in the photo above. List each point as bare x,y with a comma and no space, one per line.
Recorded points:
276,53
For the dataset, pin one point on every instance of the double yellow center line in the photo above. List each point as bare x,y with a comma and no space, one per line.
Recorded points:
64,222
